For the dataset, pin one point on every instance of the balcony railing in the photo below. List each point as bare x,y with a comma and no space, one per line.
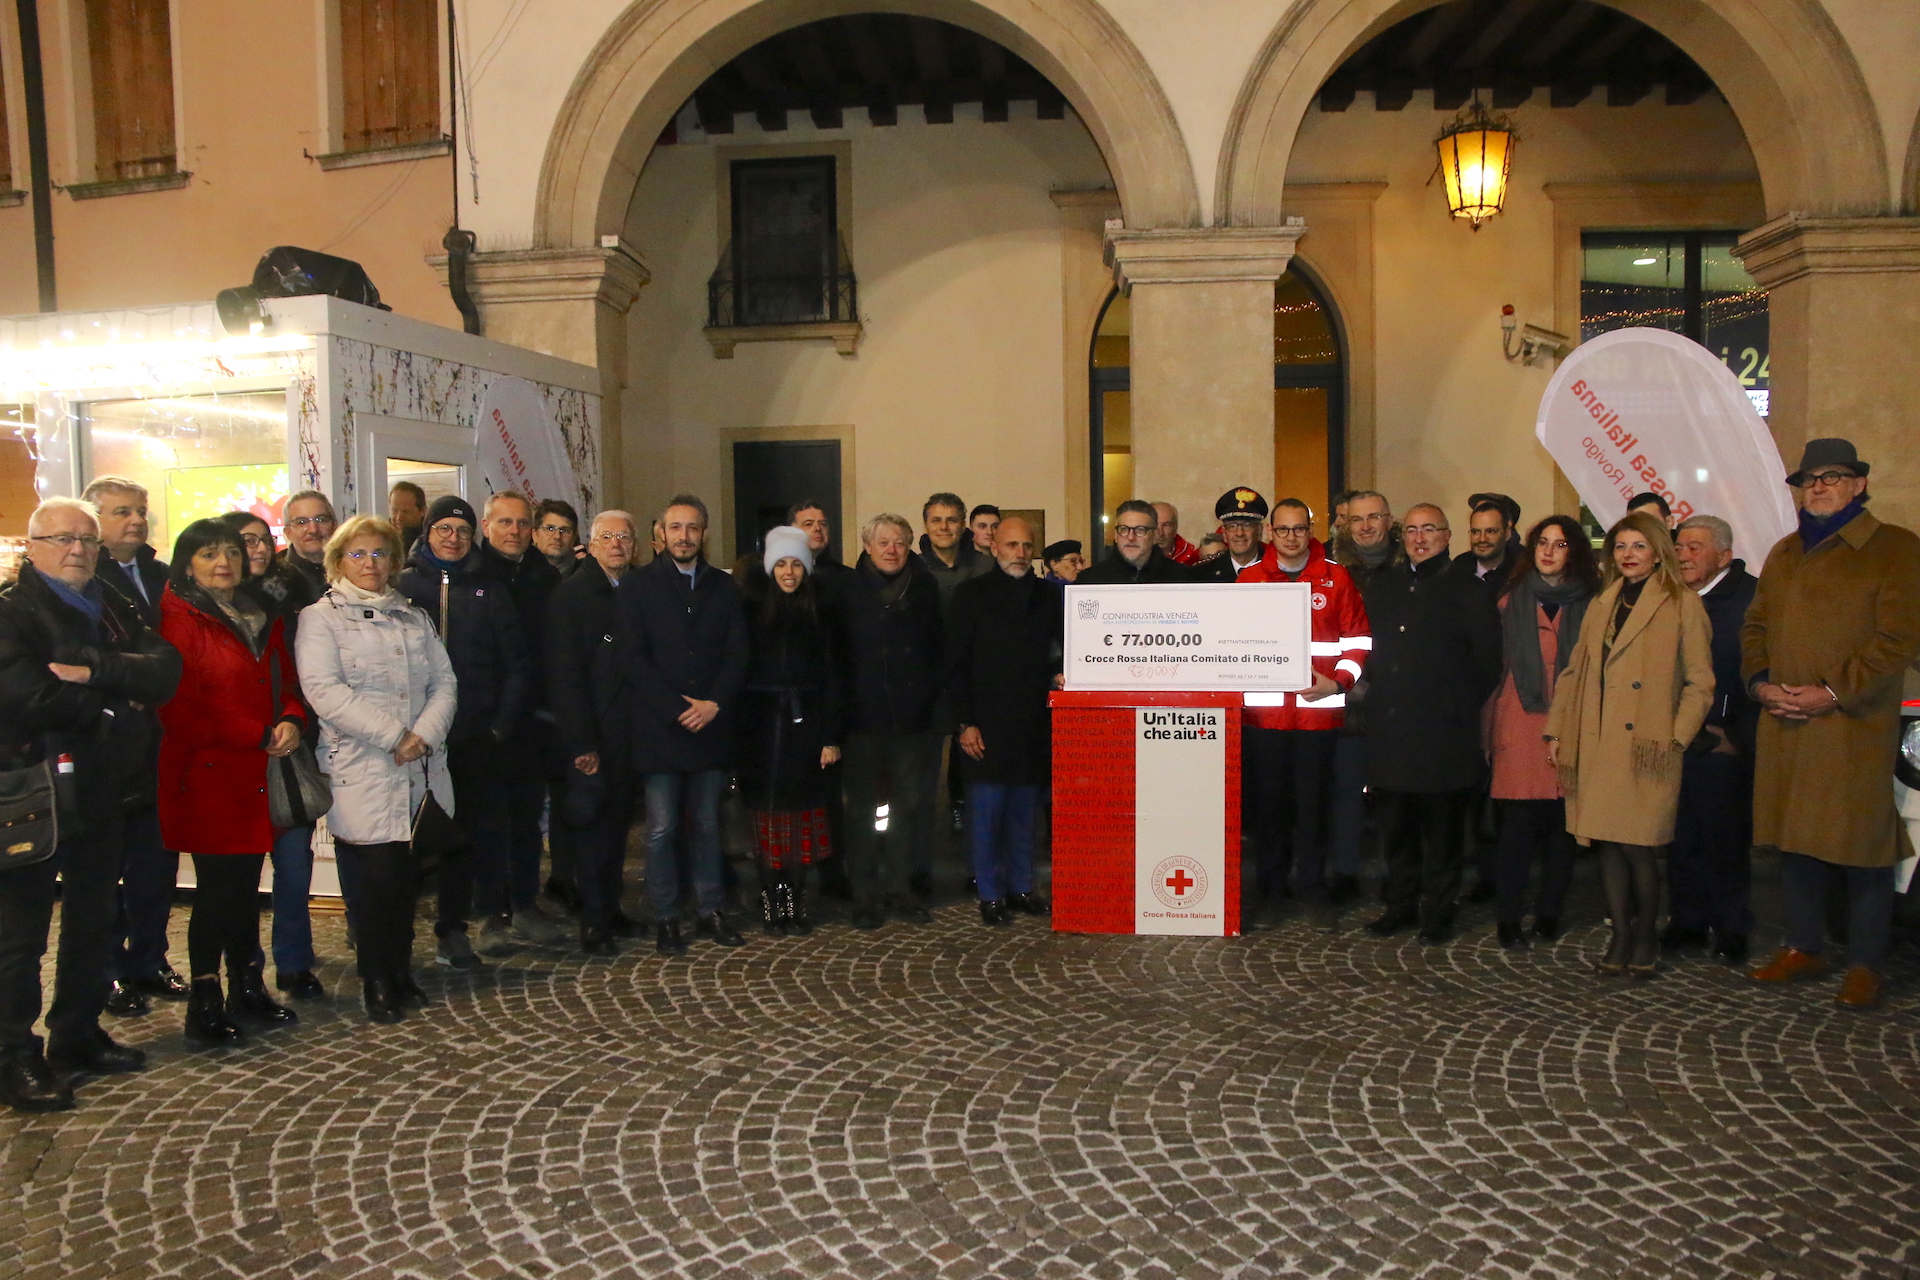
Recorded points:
756,299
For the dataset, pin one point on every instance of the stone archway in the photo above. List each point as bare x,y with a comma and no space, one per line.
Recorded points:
658,51
1785,71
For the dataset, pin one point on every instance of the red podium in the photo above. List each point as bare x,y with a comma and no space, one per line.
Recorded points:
1146,813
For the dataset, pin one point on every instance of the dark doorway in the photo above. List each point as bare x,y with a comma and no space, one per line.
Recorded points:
769,476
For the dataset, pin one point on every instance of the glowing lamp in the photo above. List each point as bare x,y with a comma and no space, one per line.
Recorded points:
1476,154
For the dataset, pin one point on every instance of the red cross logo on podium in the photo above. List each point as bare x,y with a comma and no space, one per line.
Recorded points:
1180,882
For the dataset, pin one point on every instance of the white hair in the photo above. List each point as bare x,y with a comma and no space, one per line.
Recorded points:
872,527
111,484
612,515
1719,530
505,495
37,521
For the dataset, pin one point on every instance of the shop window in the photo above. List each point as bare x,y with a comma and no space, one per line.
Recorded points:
130,56
1686,282
390,74
197,456
786,261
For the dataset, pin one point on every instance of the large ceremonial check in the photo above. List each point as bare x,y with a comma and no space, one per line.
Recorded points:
1192,637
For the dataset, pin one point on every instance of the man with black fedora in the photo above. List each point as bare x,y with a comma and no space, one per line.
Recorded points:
1834,624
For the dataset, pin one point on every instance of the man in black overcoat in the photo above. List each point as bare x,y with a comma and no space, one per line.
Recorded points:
1135,555
1004,644
684,651
1436,658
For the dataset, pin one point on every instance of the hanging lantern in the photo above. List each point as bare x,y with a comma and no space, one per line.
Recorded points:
1476,153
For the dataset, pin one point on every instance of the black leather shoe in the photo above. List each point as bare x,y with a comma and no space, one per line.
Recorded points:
1730,948
406,989
1546,928
716,928
1482,891
382,1001
27,1083
162,984
1512,936
1432,935
249,1002
994,912
913,912
868,916
564,893
667,940
921,884
1393,920
1342,889
208,1026
1679,938
98,1054
300,986
124,1002
623,925
597,941
1029,904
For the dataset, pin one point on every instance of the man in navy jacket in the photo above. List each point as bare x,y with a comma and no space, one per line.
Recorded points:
684,649
1709,865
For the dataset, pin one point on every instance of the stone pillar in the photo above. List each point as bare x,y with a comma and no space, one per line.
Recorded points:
1202,359
570,303
1844,319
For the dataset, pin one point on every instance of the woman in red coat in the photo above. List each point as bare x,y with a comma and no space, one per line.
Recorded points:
220,728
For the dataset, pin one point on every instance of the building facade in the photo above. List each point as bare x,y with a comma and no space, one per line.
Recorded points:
1056,253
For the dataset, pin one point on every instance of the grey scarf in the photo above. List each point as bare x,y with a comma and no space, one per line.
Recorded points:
1522,632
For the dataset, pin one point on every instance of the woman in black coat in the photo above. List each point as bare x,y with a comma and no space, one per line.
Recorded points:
788,727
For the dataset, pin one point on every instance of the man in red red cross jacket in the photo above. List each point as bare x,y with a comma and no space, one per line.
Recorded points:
1287,738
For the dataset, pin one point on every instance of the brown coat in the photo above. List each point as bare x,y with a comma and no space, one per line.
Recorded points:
1624,725
1846,615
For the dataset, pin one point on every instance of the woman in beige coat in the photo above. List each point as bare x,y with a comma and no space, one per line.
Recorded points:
1635,692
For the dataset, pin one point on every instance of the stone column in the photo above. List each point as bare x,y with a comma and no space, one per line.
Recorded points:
570,303
1844,320
1202,359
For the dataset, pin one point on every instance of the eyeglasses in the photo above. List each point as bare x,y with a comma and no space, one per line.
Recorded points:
1556,545
557,528
1830,479
255,540
67,541
625,539
1294,530
310,522
1134,530
359,557
450,530
1426,528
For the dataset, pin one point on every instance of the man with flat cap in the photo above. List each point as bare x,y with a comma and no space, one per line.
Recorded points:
1063,561
1241,512
1833,627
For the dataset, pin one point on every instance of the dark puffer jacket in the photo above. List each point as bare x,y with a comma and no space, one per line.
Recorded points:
474,613
886,638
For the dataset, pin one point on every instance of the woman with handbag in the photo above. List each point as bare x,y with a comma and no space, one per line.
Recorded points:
281,593
378,679
221,732
1634,694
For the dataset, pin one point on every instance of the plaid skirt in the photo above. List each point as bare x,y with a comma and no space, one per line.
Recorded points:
787,838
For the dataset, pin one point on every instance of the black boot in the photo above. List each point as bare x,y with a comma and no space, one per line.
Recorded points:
249,1001
667,940
27,1083
773,921
207,1024
794,904
716,928
383,1002
597,940
407,990
96,1053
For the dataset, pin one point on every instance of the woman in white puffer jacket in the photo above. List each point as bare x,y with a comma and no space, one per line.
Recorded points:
379,680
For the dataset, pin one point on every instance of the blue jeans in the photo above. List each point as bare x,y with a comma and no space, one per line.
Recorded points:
292,886
1803,887
692,799
1002,832
148,870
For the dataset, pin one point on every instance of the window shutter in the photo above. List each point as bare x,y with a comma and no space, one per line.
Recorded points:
130,51
390,73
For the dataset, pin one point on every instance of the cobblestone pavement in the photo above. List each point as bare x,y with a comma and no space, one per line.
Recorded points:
954,1101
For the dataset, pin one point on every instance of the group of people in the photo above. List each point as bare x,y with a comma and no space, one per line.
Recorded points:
474,688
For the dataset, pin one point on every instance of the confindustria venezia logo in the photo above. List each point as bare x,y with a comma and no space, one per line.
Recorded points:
1179,882
1089,611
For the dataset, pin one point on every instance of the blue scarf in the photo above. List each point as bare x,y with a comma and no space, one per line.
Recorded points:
1815,530
89,602
427,557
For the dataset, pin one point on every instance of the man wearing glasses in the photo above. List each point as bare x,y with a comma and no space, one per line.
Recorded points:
308,521
474,613
1135,555
593,718
1241,512
1436,658
1835,622
79,676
